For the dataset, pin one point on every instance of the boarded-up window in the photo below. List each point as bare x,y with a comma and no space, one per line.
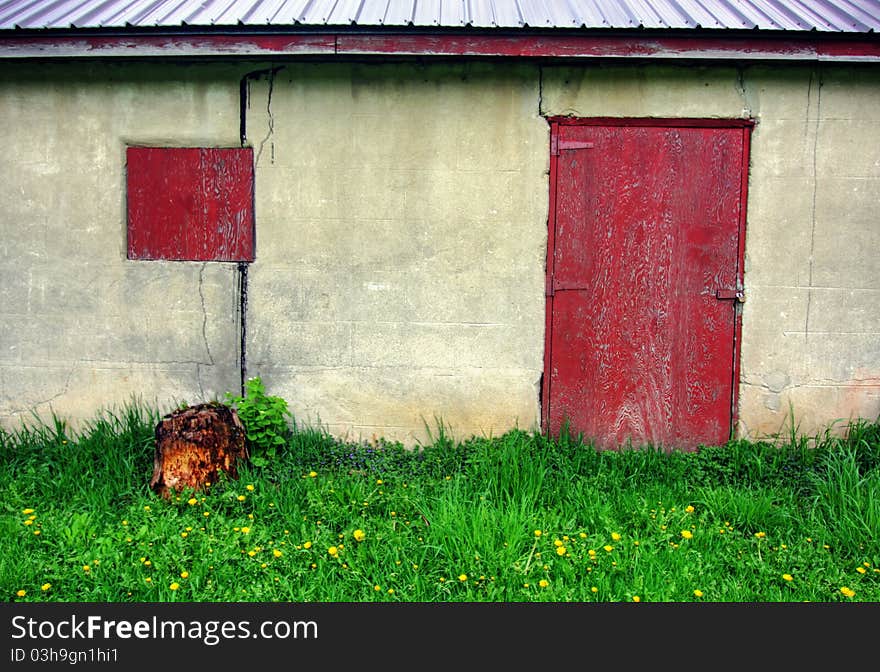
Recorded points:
190,204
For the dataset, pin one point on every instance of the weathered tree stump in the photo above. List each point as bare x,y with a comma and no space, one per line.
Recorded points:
193,445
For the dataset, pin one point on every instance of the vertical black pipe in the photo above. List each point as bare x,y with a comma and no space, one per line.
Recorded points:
242,309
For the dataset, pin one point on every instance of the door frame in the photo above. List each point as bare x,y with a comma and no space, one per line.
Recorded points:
556,123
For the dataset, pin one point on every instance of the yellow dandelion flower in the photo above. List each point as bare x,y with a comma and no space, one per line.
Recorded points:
250,487
689,508
391,591
861,570
615,536
543,583
333,551
560,550
582,535
760,535
698,593
184,534
608,547
192,501
184,574
252,553
312,474
359,535
867,564
147,508
591,552
86,568
245,530
27,511
687,534
241,498
636,598
28,522
37,532
174,586
849,592
462,577
378,481
21,593
538,533
594,589
148,580
788,577
307,545
377,588
557,543
45,587
206,513
277,553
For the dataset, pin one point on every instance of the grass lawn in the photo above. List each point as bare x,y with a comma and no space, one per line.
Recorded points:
516,518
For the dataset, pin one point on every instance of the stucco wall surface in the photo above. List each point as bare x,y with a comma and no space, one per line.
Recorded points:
81,327
402,236
401,231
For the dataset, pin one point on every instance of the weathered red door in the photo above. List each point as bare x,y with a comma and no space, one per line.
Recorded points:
644,276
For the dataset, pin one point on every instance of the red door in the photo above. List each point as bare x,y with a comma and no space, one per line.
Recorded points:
644,276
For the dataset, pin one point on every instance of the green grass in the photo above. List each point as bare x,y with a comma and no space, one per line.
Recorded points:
517,518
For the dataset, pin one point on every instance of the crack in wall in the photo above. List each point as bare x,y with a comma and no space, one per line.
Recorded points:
204,313
270,131
817,75
540,91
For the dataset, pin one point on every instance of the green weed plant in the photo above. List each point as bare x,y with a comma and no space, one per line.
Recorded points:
265,419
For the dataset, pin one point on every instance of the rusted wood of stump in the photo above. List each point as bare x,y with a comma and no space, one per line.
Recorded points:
193,445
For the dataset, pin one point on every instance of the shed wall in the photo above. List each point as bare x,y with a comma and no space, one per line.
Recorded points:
401,227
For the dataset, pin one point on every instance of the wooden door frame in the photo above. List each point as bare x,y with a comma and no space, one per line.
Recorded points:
555,124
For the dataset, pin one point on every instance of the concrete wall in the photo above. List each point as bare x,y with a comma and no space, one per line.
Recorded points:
401,217
81,327
402,236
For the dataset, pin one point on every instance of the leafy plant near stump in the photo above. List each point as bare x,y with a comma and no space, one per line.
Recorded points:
265,421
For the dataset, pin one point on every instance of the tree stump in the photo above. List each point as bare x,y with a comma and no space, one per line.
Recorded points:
194,444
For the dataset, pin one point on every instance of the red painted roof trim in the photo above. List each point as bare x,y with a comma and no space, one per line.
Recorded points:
812,48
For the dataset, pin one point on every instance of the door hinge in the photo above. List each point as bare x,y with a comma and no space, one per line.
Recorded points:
730,295
558,144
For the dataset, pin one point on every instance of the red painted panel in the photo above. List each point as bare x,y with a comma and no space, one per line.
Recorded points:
647,229
193,204
789,46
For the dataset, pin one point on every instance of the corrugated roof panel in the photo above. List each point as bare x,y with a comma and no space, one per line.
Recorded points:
344,12
63,12
854,16
263,12
451,13
509,15
649,14
290,12
427,13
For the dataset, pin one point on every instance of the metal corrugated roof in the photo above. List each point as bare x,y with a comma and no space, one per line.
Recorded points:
844,16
